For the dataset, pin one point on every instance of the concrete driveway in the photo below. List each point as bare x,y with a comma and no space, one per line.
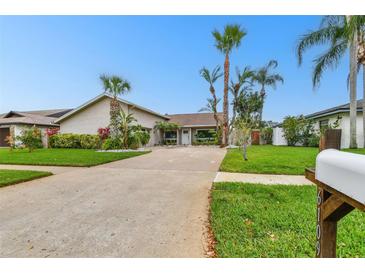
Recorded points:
153,205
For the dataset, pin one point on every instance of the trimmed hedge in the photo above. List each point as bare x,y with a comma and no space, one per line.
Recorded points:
69,140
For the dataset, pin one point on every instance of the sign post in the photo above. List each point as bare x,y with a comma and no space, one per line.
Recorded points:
332,206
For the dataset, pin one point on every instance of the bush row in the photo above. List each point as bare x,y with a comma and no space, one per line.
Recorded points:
69,140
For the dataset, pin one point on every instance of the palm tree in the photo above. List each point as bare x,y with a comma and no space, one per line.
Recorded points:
211,106
243,84
265,78
211,78
340,32
225,42
359,22
115,86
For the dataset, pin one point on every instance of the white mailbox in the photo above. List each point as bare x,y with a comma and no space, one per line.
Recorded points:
343,171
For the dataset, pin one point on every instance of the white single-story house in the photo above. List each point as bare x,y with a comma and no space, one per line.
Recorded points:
329,117
14,122
95,114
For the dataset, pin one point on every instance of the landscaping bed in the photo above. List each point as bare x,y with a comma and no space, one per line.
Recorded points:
62,157
268,159
10,177
252,220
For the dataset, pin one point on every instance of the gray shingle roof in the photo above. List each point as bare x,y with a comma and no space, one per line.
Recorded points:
34,117
194,119
334,110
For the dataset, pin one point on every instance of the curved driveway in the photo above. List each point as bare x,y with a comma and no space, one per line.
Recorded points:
153,205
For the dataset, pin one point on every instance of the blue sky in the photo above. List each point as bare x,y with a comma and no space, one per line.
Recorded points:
55,62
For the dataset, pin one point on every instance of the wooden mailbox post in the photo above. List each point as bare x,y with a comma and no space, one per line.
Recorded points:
332,204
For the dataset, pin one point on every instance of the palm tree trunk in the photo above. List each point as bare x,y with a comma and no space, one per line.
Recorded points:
114,109
225,101
212,91
261,110
353,104
363,105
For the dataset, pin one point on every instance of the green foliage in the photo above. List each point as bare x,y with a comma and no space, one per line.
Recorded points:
70,140
89,141
138,137
313,141
229,39
112,143
292,127
206,137
31,138
125,127
299,130
266,134
166,126
275,221
248,107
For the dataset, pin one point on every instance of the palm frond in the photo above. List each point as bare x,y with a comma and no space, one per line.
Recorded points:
329,59
322,36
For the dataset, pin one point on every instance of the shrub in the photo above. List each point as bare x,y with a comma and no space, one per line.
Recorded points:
138,137
89,141
31,138
69,140
266,134
52,131
313,141
292,127
65,140
111,143
104,133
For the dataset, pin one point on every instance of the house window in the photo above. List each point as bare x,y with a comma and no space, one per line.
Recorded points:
323,124
205,134
170,137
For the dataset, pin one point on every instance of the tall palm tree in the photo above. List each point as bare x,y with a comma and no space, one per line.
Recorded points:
211,106
211,78
244,83
340,33
225,42
115,86
265,78
359,22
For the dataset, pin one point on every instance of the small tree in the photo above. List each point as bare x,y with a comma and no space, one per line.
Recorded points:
31,138
248,107
125,121
293,128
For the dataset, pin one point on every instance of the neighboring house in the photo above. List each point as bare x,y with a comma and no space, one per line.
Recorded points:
194,128
329,117
95,114
14,121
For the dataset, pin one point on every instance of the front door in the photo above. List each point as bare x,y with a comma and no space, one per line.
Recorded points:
185,138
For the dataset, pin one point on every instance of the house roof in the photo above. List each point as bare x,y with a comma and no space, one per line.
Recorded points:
36,117
335,110
194,119
100,97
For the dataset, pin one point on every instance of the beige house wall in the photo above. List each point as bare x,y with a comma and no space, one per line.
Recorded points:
88,120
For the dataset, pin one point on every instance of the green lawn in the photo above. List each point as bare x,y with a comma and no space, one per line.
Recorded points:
62,157
251,220
10,177
269,159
